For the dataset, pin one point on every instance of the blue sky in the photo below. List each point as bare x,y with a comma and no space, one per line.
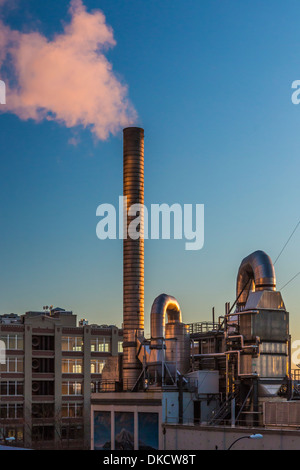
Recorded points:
211,83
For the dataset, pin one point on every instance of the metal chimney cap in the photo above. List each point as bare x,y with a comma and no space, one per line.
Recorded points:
133,129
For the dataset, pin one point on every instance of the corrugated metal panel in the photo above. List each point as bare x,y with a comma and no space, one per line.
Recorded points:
270,414
279,348
282,413
294,415
270,366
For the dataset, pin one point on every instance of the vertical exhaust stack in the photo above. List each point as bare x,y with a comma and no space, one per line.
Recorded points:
133,255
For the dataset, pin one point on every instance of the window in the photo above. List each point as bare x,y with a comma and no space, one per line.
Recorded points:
95,386
100,344
72,410
72,343
72,388
11,388
42,410
16,432
43,433
72,366
11,410
72,432
148,430
97,366
102,430
124,430
120,346
13,341
13,364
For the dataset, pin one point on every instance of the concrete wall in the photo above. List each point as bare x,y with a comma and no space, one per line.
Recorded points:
181,437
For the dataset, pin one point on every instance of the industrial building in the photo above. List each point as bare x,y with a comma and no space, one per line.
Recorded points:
188,386
52,366
230,374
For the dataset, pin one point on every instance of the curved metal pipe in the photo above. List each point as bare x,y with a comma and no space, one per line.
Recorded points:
256,273
163,305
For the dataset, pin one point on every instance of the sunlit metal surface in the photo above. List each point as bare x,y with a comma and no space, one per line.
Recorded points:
133,255
256,273
271,300
164,305
169,336
178,347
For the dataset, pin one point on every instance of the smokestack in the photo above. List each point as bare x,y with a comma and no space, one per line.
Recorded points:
133,255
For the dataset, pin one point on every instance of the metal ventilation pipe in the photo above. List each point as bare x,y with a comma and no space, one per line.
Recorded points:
163,305
169,341
133,255
256,273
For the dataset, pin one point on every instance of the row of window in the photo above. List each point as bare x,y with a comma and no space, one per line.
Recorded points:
68,343
15,410
76,388
69,366
67,432
75,366
47,433
75,343
16,388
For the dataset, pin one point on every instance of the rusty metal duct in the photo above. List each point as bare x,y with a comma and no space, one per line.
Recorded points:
133,255
256,273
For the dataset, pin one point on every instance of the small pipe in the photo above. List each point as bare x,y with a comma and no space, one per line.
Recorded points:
226,378
180,399
242,341
238,352
233,413
193,354
244,312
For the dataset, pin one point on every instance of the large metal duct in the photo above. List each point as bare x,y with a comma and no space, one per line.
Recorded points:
133,255
163,305
169,340
256,273
178,349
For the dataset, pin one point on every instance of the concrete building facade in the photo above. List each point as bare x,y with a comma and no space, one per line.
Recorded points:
51,367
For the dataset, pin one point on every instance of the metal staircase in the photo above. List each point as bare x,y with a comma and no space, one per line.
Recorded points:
223,412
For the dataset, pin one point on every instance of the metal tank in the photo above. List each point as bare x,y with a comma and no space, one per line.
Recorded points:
177,347
262,314
133,255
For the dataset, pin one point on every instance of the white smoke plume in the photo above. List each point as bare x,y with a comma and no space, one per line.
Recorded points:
67,79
